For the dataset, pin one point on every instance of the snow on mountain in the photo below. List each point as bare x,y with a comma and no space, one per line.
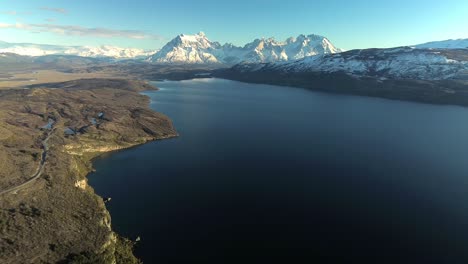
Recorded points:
199,49
188,49
109,51
445,44
395,63
269,50
29,49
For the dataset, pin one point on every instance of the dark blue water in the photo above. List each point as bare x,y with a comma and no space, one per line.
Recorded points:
262,173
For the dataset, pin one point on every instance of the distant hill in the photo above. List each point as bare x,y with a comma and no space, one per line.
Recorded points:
394,63
437,76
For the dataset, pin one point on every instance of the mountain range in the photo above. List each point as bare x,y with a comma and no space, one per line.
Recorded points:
30,49
198,49
192,49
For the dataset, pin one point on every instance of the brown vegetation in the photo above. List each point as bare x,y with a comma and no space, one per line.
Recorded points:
59,217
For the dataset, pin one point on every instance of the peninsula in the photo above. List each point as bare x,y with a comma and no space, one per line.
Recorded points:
49,133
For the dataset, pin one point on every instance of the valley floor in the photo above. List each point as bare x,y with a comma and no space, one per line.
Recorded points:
21,78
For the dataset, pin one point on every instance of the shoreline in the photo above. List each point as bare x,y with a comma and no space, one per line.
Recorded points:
373,92
129,243
435,92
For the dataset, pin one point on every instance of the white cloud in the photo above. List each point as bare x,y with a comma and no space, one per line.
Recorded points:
54,9
70,30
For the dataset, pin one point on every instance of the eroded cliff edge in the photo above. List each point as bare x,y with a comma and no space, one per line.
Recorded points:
58,217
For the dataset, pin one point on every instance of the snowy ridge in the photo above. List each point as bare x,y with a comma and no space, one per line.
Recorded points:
445,44
198,48
27,49
396,63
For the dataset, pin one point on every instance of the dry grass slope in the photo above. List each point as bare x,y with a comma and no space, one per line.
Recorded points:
59,217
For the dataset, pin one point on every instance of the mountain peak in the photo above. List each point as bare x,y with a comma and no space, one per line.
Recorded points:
316,37
199,49
187,49
192,39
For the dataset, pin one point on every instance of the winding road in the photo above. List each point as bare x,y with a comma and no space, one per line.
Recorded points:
40,168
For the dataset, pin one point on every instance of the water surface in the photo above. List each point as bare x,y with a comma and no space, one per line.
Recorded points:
262,173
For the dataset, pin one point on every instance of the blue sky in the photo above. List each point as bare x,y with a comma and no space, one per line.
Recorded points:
149,24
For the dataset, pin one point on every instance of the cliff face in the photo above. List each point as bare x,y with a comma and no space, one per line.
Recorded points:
58,217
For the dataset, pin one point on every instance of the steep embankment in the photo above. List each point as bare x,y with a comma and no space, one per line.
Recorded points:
58,217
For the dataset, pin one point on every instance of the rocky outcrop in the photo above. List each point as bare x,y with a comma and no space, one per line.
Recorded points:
82,184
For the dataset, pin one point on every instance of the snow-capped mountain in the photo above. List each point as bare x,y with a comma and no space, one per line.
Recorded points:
445,44
199,49
29,49
395,63
188,49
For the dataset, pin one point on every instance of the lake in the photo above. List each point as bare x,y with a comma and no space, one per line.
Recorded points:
262,173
